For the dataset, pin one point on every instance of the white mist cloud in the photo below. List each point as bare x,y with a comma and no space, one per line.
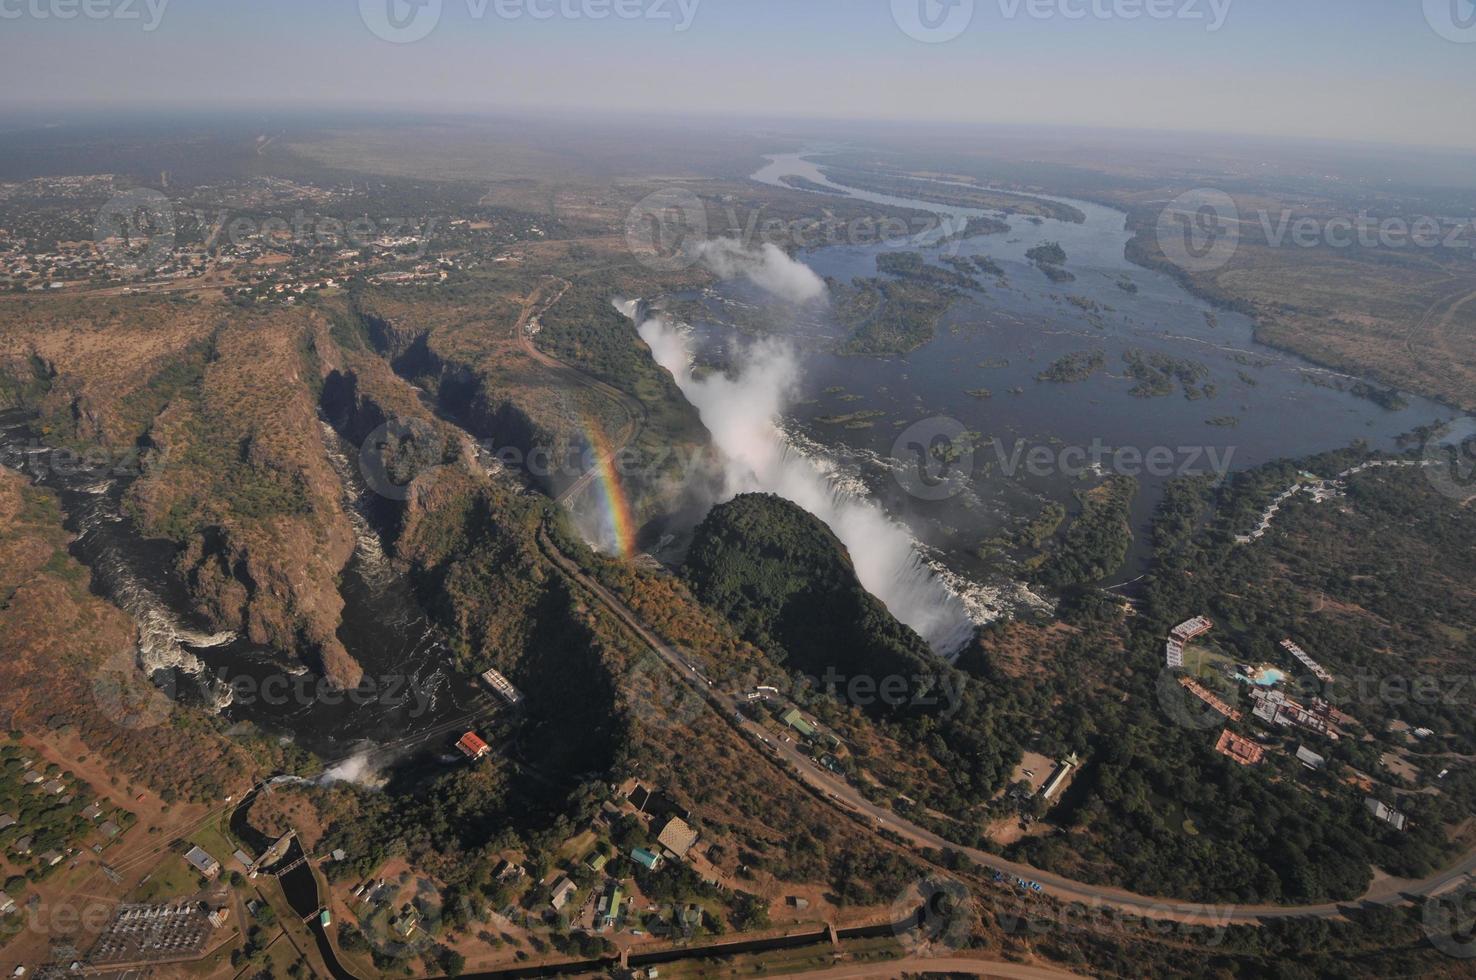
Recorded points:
742,414
358,769
767,267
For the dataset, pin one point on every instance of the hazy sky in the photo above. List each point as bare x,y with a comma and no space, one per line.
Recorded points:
1386,70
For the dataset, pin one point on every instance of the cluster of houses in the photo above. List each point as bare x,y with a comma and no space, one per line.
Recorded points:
1318,489
674,840
372,892
1271,704
823,745
1273,707
1277,710
22,841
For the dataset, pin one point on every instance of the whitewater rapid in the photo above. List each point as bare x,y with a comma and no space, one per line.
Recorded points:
163,638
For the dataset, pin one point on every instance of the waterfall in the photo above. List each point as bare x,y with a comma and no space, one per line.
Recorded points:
742,414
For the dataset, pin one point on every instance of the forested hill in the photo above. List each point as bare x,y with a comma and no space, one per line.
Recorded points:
787,584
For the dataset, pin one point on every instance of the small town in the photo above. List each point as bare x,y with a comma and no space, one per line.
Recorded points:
1278,715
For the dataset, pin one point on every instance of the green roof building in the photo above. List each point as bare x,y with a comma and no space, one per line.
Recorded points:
645,858
794,720
612,905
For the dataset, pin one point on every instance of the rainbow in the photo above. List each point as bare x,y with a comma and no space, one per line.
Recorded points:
617,504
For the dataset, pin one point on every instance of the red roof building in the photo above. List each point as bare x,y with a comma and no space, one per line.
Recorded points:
1242,750
472,746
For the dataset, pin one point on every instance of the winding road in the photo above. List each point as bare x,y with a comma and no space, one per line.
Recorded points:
635,413
844,797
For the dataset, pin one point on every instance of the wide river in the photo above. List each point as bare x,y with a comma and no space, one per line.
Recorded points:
998,339
1266,404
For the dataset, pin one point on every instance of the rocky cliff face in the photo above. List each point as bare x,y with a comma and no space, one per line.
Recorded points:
97,370
244,486
222,404
69,662
484,394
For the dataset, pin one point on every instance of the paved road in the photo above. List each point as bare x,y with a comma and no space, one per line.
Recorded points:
843,796
536,306
846,797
